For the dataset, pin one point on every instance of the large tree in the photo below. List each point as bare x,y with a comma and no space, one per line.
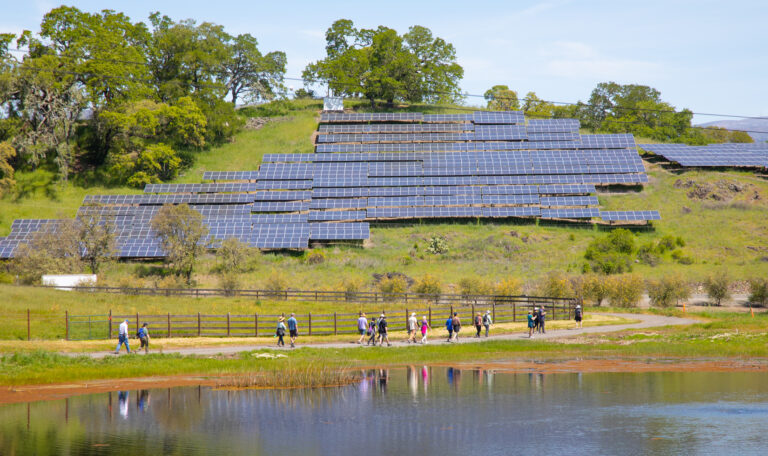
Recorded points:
380,64
502,98
181,232
248,73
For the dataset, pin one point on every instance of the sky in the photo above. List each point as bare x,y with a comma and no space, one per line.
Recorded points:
707,56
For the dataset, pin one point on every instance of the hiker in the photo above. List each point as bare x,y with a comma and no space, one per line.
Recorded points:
372,325
411,327
143,336
478,324
456,326
383,330
542,318
531,324
487,321
280,332
122,337
293,328
424,327
449,327
362,326
578,316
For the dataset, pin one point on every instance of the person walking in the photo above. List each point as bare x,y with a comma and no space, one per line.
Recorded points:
578,316
531,324
456,326
478,324
372,327
143,336
122,337
542,319
280,332
293,328
411,327
383,330
535,319
487,321
449,327
424,327
362,326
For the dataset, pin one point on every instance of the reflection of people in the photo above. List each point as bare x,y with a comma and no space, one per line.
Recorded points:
143,400
383,374
122,337
122,400
449,374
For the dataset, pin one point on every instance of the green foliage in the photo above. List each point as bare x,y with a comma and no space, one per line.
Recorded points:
758,291
510,286
7,153
501,98
533,106
229,282
235,256
428,285
474,286
302,94
380,64
717,286
437,245
351,286
180,230
612,254
276,282
315,257
391,287
596,288
54,249
668,291
97,238
555,285
625,290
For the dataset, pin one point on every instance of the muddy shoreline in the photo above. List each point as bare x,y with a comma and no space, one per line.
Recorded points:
33,393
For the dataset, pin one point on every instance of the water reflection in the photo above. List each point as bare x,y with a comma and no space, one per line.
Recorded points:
415,410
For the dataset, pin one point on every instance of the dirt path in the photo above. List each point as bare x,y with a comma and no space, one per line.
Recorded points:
438,337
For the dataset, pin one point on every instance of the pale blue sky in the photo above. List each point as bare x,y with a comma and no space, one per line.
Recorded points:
709,56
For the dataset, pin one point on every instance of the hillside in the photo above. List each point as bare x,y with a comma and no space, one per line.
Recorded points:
755,127
720,215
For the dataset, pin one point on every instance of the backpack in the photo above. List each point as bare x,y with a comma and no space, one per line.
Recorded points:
140,333
478,320
485,319
382,325
449,324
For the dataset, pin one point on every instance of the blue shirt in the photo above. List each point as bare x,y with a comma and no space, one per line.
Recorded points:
292,324
449,324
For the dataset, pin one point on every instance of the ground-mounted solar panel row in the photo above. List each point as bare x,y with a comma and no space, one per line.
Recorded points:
714,155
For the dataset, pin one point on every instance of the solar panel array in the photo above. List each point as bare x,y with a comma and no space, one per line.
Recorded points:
747,155
485,164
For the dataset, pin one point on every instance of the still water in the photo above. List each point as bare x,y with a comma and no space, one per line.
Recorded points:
418,410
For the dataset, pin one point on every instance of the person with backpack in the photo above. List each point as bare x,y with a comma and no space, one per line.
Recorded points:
478,324
143,335
578,316
424,327
456,326
362,326
411,327
531,324
542,318
122,337
487,322
535,319
280,331
372,325
449,327
293,328
383,330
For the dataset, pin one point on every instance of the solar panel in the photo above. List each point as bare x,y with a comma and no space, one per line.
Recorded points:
230,175
629,215
230,187
282,196
569,201
280,206
339,231
496,117
507,200
511,212
571,213
319,216
552,125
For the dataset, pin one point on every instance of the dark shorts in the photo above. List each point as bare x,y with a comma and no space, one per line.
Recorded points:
144,342
294,333
361,331
578,318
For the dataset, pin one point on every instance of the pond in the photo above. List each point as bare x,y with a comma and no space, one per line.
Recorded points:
416,410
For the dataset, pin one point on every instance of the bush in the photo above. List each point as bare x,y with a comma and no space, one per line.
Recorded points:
315,257
392,287
758,292
277,283
555,285
717,287
351,286
648,253
473,286
5,278
510,286
612,254
235,256
229,282
437,245
428,285
596,288
668,291
625,290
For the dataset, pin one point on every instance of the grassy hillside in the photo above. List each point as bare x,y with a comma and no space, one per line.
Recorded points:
724,229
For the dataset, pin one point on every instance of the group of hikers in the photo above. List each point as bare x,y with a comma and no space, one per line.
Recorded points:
376,330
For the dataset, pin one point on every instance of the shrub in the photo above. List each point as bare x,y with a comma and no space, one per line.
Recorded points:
555,285
473,286
625,290
437,245
758,292
351,286
611,254
392,287
668,291
428,285
666,243
235,256
5,278
596,288
229,282
648,253
510,286
717,287
129,283
276,283
315,257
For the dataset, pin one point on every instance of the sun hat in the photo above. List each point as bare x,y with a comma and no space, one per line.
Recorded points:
413,314
383,316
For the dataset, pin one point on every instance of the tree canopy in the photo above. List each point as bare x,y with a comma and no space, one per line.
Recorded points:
381,64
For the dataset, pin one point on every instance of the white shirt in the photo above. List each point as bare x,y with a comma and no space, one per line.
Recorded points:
123,331
412,323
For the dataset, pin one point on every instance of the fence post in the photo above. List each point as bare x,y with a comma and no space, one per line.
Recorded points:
310,323
66,322
137,322
473,314
315,296
109,325
406,319
493,315
430,315
227,324
198,324
28,324
335,330
169,325
514,306
256,325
